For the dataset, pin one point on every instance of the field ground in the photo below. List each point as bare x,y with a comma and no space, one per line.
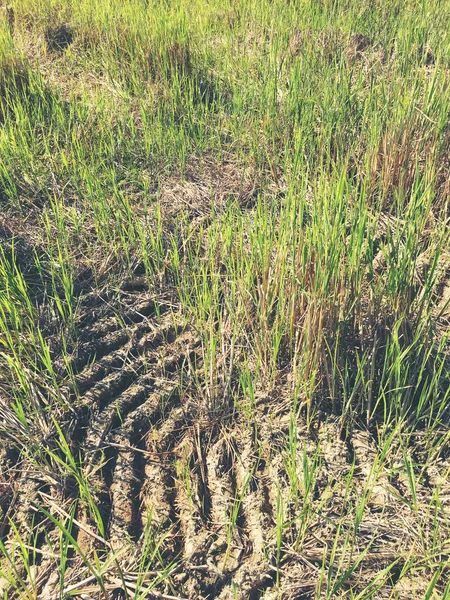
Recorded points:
224,299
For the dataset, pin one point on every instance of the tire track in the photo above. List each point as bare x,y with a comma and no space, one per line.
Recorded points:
211,495
256,524
127,369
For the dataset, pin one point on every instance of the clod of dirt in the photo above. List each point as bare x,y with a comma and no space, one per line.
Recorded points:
361,48
359,41
21,251
175,58
192,196
58,38
325,43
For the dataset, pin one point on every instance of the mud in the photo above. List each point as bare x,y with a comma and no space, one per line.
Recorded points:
235,508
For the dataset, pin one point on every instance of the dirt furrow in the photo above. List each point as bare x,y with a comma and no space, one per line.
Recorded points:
120,411
97,323
113,416
226,551
140,341
188,505
106,391
253,574
131,443
99,370
123,496
97,348
157,493
372,481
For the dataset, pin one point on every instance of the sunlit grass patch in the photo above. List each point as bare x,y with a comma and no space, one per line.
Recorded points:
224,300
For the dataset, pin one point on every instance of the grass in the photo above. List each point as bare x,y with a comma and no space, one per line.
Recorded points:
274,177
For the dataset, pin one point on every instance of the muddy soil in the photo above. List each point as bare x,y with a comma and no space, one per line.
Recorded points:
232,509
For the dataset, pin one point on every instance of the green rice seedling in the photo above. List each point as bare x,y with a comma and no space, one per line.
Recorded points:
151,557
338,573
93,564
20,568
64,545
304,509
279,174
291,460
232,518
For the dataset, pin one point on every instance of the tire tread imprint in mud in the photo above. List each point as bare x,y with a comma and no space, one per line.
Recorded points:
154,457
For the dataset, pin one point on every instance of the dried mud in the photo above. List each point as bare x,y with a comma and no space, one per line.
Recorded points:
235,511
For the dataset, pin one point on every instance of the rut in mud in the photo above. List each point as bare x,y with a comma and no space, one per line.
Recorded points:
248,503
209,497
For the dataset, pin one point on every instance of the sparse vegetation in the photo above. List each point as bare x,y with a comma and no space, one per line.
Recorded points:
224,299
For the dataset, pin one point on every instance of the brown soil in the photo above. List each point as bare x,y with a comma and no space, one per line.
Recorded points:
214,491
